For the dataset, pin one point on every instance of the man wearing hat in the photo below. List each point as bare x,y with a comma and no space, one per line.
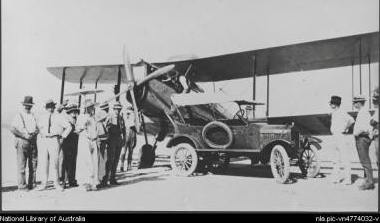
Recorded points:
362,131
375,123
61,108
103,144
340,123
88,124
116,130
130,141
70,148
24,128
54,129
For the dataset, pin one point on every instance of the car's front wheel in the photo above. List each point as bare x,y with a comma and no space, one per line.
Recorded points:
309,161
280,164
183,160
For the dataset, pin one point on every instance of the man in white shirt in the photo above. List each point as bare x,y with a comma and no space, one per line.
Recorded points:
362,131
70,147
130,139
90,125
340,123
375,123
24,128
53,130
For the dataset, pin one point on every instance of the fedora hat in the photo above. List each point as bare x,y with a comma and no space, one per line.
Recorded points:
335,100
72,108
359,98
28,100
50,104
89,103
117,105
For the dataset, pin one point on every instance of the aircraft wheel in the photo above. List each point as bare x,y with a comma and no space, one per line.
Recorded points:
280,164
184,160
309,162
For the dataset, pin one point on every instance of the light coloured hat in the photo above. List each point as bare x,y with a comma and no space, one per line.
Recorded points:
117,105
89,103
359,98
72,108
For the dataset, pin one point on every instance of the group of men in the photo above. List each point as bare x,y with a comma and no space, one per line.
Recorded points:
365,130
57,135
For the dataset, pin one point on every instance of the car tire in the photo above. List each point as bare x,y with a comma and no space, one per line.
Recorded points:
183,160
223,126
280,164
309,162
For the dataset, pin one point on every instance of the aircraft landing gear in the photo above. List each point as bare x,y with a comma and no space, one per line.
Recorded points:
148,152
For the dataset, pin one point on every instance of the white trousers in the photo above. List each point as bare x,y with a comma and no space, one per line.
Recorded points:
341,159
91,162
49,150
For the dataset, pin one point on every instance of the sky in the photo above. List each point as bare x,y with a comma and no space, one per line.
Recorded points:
41,33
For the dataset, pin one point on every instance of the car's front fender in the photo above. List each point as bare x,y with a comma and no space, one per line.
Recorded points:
182,138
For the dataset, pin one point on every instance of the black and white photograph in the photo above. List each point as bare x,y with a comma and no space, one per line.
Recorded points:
190,106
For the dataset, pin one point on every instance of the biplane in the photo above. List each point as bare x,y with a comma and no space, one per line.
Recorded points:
151,95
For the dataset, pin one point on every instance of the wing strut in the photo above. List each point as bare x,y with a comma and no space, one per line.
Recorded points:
96,82
81,85
118,84
253,84
62,85
352,82
369,82
360,66
267,112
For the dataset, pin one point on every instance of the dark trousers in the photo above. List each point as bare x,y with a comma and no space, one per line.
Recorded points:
376,143
102,166
113,154
26,153
69,158
362,146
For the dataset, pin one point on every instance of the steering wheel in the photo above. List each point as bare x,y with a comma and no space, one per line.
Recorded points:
239,115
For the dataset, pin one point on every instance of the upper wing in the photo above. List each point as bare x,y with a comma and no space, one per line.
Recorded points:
90,74
321,54
314,55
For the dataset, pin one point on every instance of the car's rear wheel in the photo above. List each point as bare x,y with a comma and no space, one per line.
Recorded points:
184,160
280,164
309,162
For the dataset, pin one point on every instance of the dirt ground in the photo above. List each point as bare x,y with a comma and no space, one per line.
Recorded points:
239,188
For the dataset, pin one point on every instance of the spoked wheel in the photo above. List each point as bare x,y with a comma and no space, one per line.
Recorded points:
309,162
184,160
280,164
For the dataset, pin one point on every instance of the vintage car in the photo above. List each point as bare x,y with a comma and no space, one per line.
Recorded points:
197,143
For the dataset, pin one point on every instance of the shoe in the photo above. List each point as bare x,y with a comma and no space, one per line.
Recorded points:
114,182
73,185
347,181
59,187
94,188
87,187
42,187
367,186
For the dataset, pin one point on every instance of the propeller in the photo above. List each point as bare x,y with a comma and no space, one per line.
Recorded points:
131,82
